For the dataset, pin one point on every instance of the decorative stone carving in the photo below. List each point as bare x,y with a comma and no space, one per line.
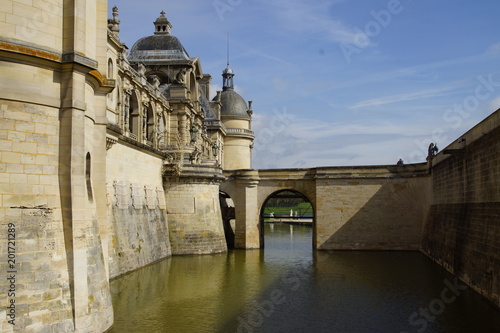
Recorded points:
150,197
136,195
432,151
110,142
121,194
141,69
180,78
155,82
194,157
114,23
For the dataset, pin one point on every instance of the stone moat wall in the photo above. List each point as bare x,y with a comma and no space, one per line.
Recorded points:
462,229
137,216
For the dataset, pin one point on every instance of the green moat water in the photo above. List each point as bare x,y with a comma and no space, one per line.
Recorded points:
287,287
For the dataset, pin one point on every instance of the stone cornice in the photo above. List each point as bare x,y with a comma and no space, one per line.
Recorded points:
339,172
29,50
30,55
116,41
240,132
100,83
36,56
194,173
78,58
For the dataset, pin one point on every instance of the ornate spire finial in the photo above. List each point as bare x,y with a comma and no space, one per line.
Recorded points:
114,23
228,49
227,74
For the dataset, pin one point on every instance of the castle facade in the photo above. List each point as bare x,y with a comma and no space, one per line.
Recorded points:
110,160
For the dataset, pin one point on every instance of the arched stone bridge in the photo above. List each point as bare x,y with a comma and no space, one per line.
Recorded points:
366,207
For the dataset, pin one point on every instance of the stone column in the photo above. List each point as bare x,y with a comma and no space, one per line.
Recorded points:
247,233
182,129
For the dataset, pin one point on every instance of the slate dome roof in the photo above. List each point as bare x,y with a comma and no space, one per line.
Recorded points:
233,105
160,46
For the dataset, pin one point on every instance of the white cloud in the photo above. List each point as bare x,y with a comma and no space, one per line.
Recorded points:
494,49
402,97
301,142
312,18
495,104
281,84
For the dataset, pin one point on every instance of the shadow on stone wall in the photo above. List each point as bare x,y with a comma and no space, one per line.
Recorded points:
391,218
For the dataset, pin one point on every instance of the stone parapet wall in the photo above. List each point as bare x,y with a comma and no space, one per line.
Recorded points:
371,207
379,213
462,230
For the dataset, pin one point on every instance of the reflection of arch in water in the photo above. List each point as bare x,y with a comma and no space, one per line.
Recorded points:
302,214
228,217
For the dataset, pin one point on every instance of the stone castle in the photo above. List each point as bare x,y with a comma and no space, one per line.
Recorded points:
109,162
112,161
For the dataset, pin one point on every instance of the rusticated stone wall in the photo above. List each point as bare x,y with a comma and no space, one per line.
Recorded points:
462,230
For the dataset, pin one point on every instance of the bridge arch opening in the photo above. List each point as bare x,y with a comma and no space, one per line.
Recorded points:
286,206
228,217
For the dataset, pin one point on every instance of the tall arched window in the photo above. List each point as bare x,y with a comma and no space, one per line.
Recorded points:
192,86
88,179
135,119
162,143
110,76
110,69
150,127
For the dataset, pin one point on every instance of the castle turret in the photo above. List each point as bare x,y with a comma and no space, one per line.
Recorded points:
236,116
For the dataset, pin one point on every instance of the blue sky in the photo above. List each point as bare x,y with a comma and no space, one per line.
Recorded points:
342,82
